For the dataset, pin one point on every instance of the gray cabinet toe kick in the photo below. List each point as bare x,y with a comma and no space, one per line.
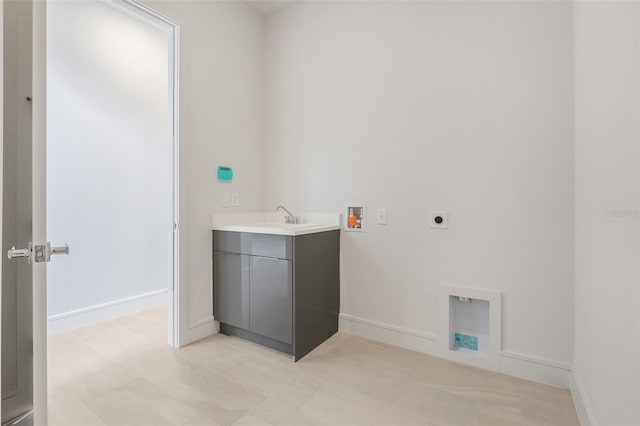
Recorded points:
279,291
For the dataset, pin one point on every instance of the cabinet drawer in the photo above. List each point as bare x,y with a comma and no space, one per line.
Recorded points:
265,245
227,241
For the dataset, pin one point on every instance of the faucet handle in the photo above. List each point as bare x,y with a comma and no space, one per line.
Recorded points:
290,219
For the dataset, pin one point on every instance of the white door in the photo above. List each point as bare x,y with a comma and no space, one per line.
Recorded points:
24,249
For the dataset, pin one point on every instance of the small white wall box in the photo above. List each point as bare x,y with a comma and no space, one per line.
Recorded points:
355,217
470,325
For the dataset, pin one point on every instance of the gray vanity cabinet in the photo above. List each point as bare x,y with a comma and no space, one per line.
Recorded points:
276,290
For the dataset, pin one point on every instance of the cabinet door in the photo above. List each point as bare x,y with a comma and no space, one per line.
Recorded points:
231,289
271,298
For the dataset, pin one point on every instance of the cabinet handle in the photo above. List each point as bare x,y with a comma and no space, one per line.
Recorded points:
267,258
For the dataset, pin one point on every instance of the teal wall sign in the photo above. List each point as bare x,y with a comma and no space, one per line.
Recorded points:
225,174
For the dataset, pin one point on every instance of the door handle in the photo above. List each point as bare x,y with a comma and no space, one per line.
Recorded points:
37,253
44,252
15,253
58,250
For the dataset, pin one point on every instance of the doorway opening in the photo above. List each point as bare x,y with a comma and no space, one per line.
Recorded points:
112,167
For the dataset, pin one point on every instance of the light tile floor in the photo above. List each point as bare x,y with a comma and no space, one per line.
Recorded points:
122,372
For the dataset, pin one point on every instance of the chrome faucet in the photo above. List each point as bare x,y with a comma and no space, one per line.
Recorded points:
290,218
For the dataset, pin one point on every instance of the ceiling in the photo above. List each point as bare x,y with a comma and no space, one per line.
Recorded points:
265,7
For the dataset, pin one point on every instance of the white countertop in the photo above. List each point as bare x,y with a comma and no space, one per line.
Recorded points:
273,223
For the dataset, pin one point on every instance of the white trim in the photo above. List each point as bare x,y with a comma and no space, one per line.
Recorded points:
39,209
415,333
1,153
524,366
105,311
177,305
584,409
144,13
201,322
200,329
528,367
390,334
537,360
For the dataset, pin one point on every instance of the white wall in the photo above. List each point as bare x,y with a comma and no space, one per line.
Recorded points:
419,106
607,358
220,124
110,157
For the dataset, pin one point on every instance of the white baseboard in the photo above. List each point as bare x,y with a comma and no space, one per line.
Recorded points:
105,311
385,333
541,370
199,330
581,401
519,365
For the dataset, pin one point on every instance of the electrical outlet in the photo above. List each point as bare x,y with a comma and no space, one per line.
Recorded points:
439,219
226,199
381,217
234,199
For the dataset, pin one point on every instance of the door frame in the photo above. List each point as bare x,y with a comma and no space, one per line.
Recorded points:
39,213
1,151
176,303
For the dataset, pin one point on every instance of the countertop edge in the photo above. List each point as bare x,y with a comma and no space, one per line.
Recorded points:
288,232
